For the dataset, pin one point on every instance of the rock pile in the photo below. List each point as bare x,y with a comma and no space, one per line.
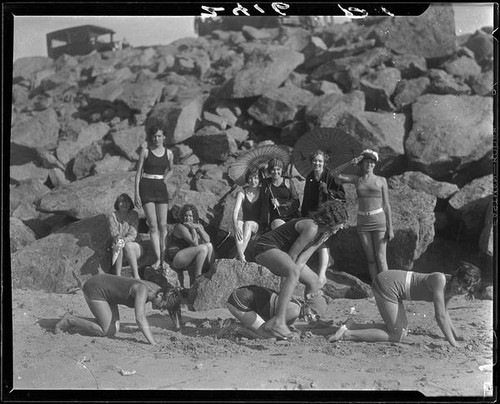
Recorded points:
406,86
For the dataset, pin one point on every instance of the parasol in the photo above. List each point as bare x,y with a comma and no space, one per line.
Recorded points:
338,144
257,158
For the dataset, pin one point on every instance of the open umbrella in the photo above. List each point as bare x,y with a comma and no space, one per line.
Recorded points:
257,158
336,143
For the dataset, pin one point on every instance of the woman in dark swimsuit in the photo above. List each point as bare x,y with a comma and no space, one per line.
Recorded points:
153,170
286,250
374,220
104,292
190,246
249,201
391,288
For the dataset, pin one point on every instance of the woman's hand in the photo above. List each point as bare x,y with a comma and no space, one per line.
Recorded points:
238,233
275,203
355,161
389,234
137,201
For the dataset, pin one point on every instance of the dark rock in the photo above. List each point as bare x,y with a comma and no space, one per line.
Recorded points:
482,45
212,145
379,87
86,159
410,66
448,132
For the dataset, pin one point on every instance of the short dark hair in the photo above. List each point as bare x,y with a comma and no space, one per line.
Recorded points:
189,207
251,172
468,275
330,213
126,198
152,131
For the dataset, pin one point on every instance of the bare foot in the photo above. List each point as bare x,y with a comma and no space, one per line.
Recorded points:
322,281
156,265
341,331
63,324
276,330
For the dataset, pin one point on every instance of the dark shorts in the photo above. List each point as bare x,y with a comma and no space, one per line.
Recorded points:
151,190
385,290
262,248
375,222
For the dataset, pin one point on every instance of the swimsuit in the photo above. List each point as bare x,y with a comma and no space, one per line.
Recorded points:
287,198
152,189
281,238
110,288
252,210
175,244
374,220
396,286
259,299
314,196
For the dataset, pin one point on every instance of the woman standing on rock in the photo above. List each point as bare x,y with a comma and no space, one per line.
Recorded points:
320,187
286,250
190,245
123,224
374,220
249,202
280,199
391,288
153,169
104,292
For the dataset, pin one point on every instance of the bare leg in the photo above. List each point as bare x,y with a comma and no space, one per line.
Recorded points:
154,234
324,258
196,255
119,263
276,223
380,247
161,214
240,245
280,263
108,320
133,253
366,242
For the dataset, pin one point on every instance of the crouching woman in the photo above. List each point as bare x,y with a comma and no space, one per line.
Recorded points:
391,288
104,292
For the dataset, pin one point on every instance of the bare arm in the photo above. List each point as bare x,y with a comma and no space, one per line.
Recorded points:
141,297
188,233
337,172
387,209
438,283
311,248
138,174
307,231
202,232
170,157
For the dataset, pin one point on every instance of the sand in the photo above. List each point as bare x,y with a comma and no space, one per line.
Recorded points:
207,354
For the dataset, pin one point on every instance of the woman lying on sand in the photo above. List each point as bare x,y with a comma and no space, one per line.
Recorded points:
104,292
254,305
390,288
286,250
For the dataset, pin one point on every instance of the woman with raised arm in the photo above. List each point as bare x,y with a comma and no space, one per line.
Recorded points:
391,288
320,187
286,250
153,169
104,292
374,219
190,247
248,200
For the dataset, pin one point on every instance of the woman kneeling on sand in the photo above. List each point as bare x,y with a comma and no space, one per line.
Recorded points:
391,288
104,292
254,305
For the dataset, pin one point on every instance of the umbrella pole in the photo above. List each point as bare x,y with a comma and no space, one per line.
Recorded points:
272,196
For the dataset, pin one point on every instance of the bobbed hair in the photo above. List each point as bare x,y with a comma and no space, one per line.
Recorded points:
126,198
251,173
276,162
317,153
152,131
189,207
468,275
330,213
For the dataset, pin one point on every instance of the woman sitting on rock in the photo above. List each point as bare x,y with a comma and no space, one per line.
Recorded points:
189,246
391,288
104,292
280,202
286,250
123,225
248,201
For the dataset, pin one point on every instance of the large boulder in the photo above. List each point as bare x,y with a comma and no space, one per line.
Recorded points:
268,66
20,235
448,133
39,132
27,193
206,203
430,35
379,87
469,206
407,91
328,109
129,141
141,97
90,196
212,145
58,262
423,183
28,171
25,68
214,289
413,224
